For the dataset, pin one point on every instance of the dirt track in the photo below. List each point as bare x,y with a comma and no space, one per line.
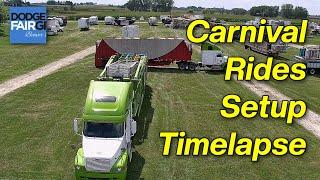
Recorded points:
311,121
20,81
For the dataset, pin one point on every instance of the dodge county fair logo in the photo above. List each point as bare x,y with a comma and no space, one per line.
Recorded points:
27,25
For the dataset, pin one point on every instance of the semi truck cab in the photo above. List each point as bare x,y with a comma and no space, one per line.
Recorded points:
213,57
108,126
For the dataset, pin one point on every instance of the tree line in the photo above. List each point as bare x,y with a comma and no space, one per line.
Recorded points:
286,11
149,5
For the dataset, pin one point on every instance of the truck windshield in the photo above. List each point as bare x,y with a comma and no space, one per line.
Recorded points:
103,130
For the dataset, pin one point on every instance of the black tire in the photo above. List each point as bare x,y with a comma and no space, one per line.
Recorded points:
192,66
182,66
312,71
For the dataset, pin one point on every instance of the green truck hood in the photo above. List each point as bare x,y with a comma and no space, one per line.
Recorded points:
107,101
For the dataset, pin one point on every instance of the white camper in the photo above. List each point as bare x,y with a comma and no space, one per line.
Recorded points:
131,31
109,20
153,21
93,20
83,24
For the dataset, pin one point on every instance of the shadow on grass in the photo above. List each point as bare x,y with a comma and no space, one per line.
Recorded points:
169,70
145,118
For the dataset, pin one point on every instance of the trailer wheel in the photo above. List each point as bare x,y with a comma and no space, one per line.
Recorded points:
182,66
312,71
192,66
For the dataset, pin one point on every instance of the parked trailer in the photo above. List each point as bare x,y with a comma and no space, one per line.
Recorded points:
52,26
160,52
265,48
152,21
93,20
109,20
310,55
124,21
113,103
83,24
131,31
64,20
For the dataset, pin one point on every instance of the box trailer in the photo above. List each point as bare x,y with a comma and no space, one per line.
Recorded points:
130,31
83,24
152,21
160,51
109,118
310,55
93,20
124,21
109,20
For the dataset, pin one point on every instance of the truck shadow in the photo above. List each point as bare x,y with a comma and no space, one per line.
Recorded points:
144,119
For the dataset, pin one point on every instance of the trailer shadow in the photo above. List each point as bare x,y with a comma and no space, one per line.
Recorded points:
143,122
169,70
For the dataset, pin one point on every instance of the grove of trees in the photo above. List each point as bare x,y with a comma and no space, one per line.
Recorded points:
147,5
287,11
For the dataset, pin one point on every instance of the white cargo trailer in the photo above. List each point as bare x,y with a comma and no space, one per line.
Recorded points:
83,24
93,20
131,31
109,20
153,21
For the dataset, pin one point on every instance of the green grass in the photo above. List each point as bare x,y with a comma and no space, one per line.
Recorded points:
38,142
20,59
315,40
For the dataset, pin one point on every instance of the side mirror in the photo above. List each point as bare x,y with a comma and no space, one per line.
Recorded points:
133,127
76,125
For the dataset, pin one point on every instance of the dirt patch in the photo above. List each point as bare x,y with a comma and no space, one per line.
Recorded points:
311,121
23,80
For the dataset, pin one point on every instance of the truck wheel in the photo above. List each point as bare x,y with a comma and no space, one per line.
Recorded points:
192,66
182,66
312,71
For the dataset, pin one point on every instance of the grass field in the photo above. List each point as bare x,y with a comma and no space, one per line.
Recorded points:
20,59
37,141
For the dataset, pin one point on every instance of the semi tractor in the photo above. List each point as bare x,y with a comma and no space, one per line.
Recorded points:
109,118
310,55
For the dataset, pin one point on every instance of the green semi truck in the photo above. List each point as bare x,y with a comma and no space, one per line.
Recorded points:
108,121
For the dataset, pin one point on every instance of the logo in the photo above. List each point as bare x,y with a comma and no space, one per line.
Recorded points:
27,25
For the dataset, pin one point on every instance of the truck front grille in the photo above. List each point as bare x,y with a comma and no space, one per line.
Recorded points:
97,164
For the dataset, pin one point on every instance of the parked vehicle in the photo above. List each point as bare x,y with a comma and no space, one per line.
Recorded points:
93,20
163,17
152,21
212,57
131,31
64,20
83,24
52,26
109,20
180,22
124,21
160,51
109,118
310,55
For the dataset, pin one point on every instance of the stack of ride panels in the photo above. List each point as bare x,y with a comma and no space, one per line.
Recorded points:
122,69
